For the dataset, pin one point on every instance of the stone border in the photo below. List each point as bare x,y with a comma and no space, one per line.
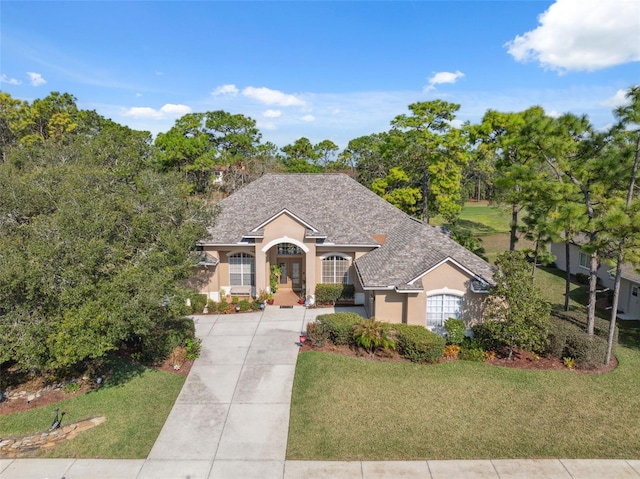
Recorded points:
19,446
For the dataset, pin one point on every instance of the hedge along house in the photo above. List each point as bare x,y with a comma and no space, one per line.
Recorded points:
327,228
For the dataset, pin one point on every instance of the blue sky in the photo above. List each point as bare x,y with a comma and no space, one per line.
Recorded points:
324,70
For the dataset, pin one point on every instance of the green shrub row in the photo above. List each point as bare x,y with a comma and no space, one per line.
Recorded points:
601,327
412,342
330,293
418,344
570,341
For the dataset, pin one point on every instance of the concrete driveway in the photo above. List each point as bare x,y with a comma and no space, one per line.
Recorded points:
231,421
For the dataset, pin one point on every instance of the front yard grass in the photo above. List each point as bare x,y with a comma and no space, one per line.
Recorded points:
136,401
350,409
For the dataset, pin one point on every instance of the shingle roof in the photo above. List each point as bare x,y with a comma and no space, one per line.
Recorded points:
346,213
412,249
334,204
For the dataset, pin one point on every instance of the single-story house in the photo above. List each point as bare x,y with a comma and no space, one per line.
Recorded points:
328,228
629,298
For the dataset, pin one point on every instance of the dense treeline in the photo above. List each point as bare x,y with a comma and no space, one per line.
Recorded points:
98,222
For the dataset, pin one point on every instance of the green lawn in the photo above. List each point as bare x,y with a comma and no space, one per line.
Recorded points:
136,402
354,409
351,409
481,218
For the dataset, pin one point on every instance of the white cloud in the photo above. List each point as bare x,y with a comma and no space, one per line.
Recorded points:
36,79
443,77
272,113
11,81
582,35
167,111
308,118
272,97
620,98
138,94
229,90
175,110
267,125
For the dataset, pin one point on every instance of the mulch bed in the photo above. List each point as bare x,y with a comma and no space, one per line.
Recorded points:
520,359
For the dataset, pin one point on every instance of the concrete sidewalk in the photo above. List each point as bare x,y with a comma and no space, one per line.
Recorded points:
231,421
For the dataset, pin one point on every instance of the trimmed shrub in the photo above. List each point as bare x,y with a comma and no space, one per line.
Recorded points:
601,327
330,293
472,351
419,344
318,334
348,291
456,329
198,302
569,340
488,335
339,327
222,306
212,306
244,305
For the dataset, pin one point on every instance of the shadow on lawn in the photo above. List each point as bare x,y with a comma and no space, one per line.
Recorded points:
118,371
473,227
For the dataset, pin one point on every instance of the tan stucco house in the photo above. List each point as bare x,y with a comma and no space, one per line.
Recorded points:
327,228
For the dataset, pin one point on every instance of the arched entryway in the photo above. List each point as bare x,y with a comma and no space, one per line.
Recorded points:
289,255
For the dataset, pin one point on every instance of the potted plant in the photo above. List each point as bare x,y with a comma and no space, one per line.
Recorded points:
275,277
270,298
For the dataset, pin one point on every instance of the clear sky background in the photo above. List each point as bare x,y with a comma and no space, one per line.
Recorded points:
324,70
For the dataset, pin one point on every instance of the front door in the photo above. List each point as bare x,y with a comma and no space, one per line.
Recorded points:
290,278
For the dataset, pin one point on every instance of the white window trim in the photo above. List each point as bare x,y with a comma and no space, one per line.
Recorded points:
344,256
441,292
233,253
580,255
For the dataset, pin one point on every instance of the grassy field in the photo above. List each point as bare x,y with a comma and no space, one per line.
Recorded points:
351,409
481,218
136,402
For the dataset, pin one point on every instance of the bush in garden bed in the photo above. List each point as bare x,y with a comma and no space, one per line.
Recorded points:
580,319
419,344
198,302
330,293
472,351
571,341
339,327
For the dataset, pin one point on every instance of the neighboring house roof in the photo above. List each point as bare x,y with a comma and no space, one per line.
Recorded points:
339,211
630,273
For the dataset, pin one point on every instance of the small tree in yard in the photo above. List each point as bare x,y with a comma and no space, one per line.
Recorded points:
517,306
